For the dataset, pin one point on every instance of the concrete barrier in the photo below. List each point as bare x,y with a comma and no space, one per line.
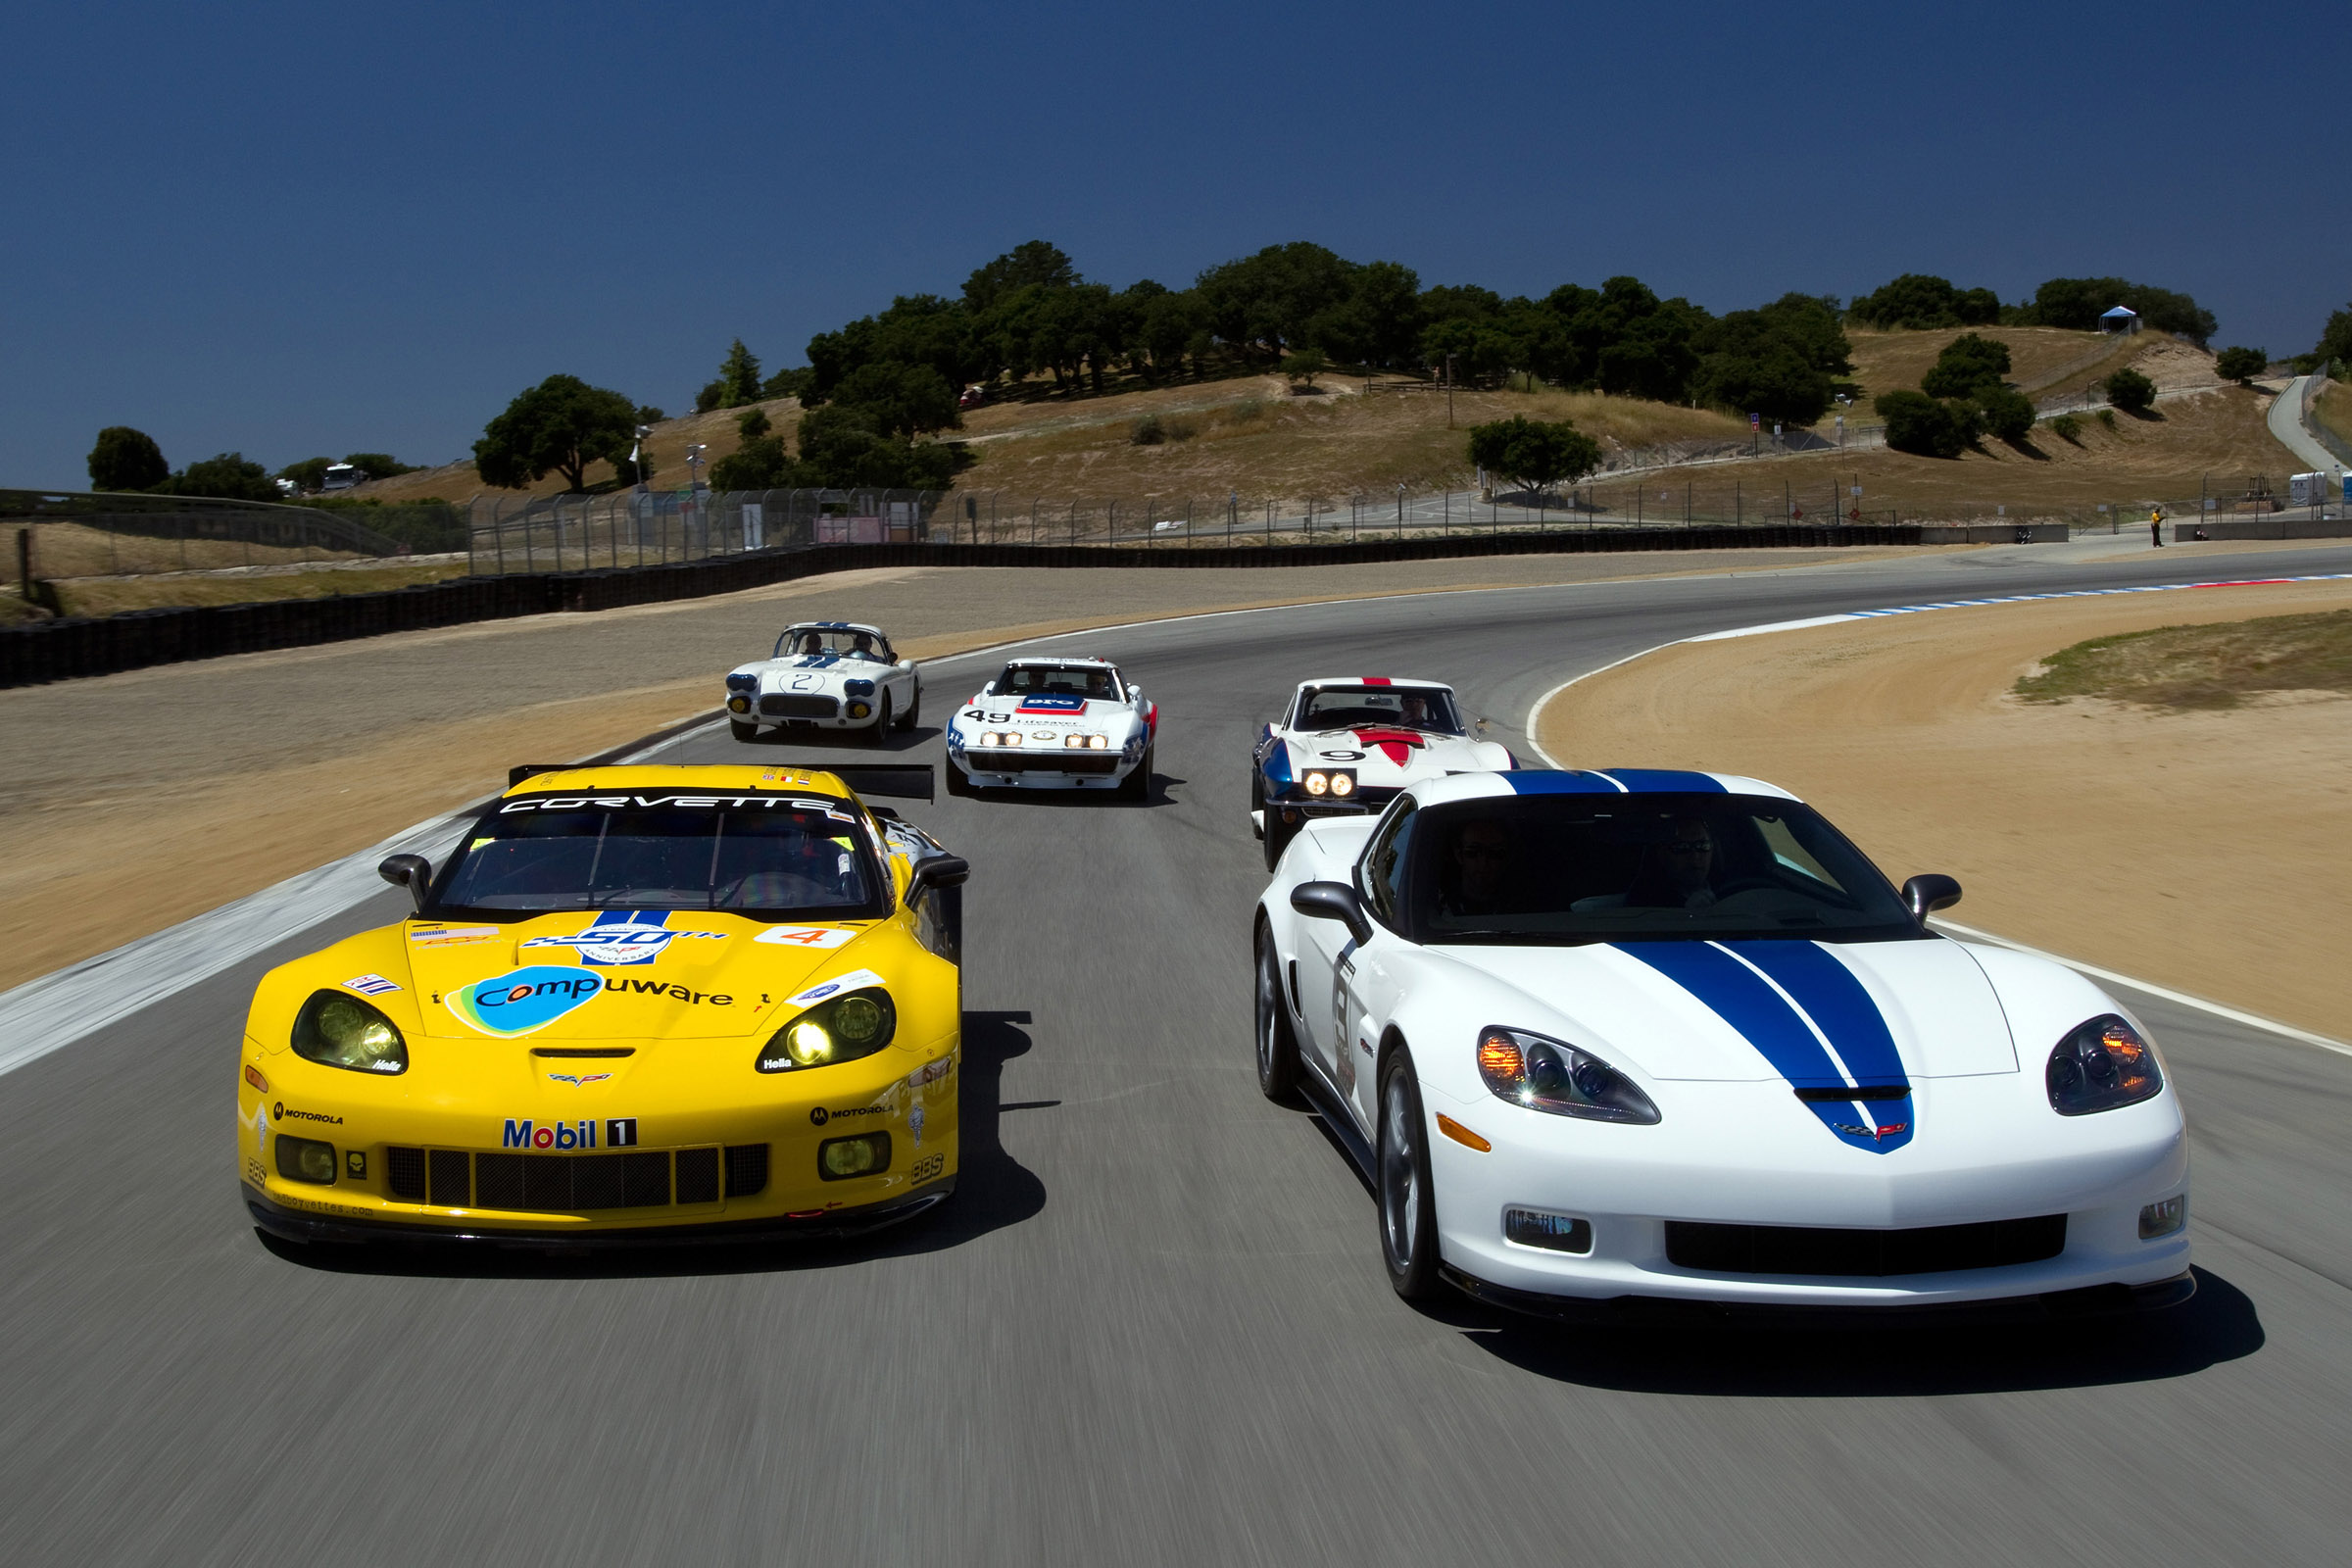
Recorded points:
2277,525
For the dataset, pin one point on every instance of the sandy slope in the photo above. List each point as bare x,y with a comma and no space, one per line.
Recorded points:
2210,851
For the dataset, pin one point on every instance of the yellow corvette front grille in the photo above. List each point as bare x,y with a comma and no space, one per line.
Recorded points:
559,1184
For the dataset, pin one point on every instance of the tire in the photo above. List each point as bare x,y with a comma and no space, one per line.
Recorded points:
1277,1045
743,729
1278,836
959,782
880,732
1408,1206
1137,785
915,711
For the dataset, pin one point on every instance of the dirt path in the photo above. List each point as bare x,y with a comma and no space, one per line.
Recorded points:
132,801
2210,851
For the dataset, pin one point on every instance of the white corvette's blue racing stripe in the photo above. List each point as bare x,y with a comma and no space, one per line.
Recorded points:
1809,1016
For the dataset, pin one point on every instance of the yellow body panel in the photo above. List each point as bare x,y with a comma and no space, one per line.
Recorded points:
674,1036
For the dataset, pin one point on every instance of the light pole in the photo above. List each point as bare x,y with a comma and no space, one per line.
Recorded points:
1448,391
637,456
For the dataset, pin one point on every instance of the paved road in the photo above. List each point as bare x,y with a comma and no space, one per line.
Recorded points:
1153,1326
2287,423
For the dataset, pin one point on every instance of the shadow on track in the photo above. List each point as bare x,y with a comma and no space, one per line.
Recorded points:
993,1191
1159,793
842,744
1719,1355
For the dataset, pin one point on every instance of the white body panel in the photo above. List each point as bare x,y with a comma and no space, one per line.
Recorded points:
1974,1027
780,690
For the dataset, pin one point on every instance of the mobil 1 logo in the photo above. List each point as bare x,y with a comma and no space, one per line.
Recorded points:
563,1137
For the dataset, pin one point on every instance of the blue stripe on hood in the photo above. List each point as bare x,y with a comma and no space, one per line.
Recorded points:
1719,975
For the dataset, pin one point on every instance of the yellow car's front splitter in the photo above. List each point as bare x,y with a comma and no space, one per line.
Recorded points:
324,1220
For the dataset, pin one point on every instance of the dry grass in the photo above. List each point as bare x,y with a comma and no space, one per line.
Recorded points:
104,596
63,550
1258,440
2202,666
2333,409
2038,356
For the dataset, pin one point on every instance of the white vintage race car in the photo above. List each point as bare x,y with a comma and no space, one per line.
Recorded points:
825,675
1638,1034
1344,746
1055,723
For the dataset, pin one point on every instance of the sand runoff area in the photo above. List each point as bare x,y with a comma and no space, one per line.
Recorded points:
129,803
2209,851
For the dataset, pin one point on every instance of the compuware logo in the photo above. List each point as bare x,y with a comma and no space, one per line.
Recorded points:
523,999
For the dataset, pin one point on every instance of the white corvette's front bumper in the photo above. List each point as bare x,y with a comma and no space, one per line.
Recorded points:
1023,773
1981,1157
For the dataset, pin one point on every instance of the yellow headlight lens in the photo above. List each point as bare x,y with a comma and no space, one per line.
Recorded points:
808,1042
1317,784
1341,784
338,1030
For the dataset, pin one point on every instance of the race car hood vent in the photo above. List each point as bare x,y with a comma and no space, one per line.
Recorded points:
1753,1011
647,975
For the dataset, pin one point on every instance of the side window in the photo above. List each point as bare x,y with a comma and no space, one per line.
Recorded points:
1381,874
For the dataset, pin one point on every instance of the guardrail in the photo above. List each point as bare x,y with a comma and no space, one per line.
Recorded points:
67,649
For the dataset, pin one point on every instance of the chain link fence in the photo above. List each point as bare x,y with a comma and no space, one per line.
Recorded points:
71,534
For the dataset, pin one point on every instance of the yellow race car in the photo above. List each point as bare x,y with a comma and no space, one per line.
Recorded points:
636,1005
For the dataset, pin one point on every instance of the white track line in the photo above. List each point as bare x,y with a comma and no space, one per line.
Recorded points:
1535,715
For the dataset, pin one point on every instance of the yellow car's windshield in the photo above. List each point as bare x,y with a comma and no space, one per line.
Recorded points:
766,856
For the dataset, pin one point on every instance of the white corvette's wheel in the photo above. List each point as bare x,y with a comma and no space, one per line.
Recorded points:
957,780
1137,786
880,732
1277,1046
915,711
1408,1220
743,729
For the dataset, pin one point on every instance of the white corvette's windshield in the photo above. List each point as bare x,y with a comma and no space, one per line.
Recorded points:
836,641
1641,867
1075,681
1419,707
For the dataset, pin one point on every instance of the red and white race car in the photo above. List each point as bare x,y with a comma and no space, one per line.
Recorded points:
1349,743
1054,722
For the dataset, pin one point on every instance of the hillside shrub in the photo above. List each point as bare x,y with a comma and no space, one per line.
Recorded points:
1148,431
2130,391
1920,424
1968,365
2006,412
1532,454
2240,364
2066,427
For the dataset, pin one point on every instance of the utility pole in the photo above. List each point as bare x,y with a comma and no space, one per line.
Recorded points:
1448,391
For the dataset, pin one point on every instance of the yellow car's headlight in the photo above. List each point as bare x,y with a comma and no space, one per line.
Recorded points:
338,1030
838,1029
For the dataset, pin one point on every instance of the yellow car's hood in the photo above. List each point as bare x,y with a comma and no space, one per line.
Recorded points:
637,974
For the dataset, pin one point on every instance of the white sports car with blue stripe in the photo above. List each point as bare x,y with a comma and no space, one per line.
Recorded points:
1614,1034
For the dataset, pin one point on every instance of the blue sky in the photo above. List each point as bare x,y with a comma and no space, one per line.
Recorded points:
291,229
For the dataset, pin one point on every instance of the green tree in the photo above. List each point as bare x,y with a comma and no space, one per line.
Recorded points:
1165,328
2334,346
1967,365
1780,362
1534,455
1304,365
229,476
2077,303
308,475
899,400
759,464
2130,391
124,459
1918,423
2005,411
1913,301
378,465
558,427
1266,304
1031,264
752,423
2240,364
842,448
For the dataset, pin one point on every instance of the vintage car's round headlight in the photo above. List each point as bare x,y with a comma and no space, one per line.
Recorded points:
2100,1065
338,1030
843,1028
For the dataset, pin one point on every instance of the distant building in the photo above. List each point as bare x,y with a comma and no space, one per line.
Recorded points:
2123,318
342,476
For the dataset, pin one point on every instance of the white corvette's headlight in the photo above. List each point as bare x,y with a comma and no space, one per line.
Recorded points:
1546,1074
2101,1066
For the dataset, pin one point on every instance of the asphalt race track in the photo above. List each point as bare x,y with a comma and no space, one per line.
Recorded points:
1153,1326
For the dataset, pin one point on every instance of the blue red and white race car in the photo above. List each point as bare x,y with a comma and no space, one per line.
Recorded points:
1346,745
1647,1034
1055,723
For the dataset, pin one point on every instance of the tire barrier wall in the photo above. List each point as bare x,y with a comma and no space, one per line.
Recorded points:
68,649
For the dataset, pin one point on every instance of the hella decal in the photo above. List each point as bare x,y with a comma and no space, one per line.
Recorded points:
619,1132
